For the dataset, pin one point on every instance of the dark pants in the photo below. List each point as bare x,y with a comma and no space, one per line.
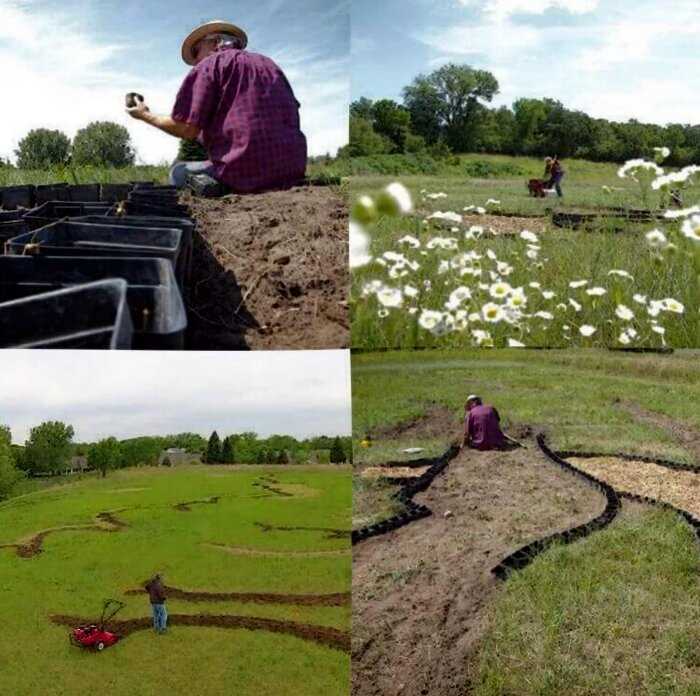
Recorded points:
555,182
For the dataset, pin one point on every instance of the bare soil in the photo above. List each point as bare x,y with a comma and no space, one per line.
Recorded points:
394,472
185,507
246,551
435,422
330,532
420,594
33,546
685,434
337,599
270,271
330,637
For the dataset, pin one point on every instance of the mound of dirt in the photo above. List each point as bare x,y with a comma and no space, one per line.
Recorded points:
420,593
270,271
435,422
330,637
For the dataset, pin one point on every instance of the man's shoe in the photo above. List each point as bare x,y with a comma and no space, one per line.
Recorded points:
206,186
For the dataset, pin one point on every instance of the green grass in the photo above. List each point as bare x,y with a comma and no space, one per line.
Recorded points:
615,613
570,394
565,256
78,569
83,175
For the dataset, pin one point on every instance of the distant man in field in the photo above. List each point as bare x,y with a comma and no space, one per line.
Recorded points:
240,106
554,173
482,429
156,593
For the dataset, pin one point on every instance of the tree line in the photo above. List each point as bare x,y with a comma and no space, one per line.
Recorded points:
99,144
51,447
447,111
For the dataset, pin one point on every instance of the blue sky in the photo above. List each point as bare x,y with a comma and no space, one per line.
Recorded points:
67,63
128,393
617,59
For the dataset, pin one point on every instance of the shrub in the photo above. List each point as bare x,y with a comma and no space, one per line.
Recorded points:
103,144
42,148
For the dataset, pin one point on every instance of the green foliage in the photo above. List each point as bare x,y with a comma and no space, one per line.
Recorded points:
42,148
49,448
364,140
105,455
337,455
451,104
192,151
485,169
9,474
5,435
213,455
228,454
104,144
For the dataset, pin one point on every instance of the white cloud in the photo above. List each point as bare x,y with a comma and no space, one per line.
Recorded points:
131,393
58,75
502,9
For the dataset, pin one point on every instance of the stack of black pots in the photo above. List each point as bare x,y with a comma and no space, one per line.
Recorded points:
97,266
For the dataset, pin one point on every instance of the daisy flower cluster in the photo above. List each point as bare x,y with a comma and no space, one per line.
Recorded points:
443,284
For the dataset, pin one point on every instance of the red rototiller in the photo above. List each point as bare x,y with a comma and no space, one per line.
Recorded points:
96,636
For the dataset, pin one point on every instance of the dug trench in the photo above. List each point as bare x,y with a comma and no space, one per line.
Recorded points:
337,599
329,637
270,271
421,593
33,546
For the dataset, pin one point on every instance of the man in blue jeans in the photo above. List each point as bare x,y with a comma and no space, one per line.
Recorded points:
156,593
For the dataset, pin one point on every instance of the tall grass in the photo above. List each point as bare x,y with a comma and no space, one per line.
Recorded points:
82,175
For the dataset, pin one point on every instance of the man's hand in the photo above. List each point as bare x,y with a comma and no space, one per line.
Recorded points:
138,111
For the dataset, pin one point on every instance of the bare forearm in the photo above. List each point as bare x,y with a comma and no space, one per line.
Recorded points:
170,126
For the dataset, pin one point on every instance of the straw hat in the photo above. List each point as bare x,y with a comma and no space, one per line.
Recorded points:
216,27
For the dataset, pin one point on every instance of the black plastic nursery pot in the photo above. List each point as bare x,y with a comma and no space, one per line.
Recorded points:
10,229
153,199
91,316
68,238
113,193
13,197
142,184
138,208
11,215
186,225
84,193
50,192
153,297
57,210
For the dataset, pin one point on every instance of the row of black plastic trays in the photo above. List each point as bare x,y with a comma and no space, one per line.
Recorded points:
83,274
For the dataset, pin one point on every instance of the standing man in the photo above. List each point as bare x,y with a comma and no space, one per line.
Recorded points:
240,106
156,593
482,428
555,172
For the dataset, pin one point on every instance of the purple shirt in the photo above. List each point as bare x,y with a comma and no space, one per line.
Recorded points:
249,118
484,429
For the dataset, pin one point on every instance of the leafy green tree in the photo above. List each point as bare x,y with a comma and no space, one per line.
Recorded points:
455,95
362,108
192,151
103,144
42,148
214,449
282,457
228,456
337,452
9,473
5,435
392,121
49,448
105,455
364,141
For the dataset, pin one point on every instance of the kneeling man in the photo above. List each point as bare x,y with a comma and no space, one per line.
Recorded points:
482,430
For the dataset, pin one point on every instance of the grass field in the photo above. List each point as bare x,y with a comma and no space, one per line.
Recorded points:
614,613
78,568
543,268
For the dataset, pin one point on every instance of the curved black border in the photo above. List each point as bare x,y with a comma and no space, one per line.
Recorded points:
413,511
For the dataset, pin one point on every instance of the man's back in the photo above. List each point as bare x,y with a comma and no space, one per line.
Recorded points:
249,118
484,429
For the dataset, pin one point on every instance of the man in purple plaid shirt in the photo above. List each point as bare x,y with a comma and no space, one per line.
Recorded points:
240,106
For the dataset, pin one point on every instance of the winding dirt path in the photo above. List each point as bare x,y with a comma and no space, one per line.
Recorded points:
337,599
33,546
420,593
245,551
329,637
186,506
330,533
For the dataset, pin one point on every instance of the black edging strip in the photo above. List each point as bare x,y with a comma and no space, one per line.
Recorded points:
526,554
413,511
523,556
